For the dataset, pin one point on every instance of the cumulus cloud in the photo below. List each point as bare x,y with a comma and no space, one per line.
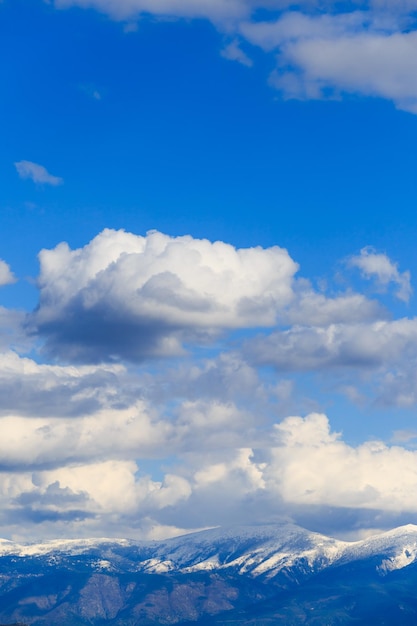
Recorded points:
53,415
312,465
113,486
227,378
124,449
104,493
42,390
398,388
300,469
37,173
325,56
133,296
6,275
317,309
379,266
307,472
35,442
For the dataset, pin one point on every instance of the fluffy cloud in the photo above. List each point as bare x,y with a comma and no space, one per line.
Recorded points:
37,173
112,486
379,266
227,378
376,344
307,472
53,415
355,52
124,449
300,468
41,390
50,442
316,309
6,275
135,296
97,495
312,465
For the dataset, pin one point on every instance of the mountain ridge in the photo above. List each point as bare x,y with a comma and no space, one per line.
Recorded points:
215,576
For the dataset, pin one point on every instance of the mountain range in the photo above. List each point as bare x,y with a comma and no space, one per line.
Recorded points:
252,575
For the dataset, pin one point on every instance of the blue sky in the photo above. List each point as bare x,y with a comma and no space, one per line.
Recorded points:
143,374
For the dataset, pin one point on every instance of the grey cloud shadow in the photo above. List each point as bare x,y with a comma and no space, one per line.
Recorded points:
55,504
26,396
99,336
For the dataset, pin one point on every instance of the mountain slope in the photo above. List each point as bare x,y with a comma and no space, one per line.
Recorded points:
246,575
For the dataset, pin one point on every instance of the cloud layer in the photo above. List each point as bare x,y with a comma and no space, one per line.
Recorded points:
148,448
82,474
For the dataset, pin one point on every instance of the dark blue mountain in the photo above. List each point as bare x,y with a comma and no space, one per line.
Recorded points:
260,575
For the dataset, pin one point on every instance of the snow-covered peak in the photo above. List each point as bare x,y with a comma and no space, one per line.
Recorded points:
63,546
255,550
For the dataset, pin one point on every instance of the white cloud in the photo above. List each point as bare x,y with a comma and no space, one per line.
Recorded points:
213,424
35,442
112,486
398,388
320,61
324,49
27,388
379,266
364,345
316,309
302,470
136,296
81,446
226,378
233,52
238,473
295,26
313,466
55,415
37,173
301,466
6,275
107,492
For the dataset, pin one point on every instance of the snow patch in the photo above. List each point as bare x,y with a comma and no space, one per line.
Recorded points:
156,566
208,564
407,556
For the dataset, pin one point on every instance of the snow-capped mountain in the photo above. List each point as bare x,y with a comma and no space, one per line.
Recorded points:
217,576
